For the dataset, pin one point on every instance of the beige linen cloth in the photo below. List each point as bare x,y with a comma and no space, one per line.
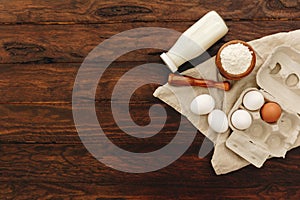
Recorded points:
223,160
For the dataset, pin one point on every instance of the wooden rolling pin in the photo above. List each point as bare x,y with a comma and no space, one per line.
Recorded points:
179,80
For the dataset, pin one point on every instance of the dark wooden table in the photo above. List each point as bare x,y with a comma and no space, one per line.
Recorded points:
42,45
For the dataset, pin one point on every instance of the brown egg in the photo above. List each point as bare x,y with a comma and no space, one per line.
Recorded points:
270,112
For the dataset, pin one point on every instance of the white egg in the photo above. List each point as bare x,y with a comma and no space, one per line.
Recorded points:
241,119
218,121
253,100
202,104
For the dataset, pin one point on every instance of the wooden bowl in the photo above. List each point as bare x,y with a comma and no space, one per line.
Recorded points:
235,76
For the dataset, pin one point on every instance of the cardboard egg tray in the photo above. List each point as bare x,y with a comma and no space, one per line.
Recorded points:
278,79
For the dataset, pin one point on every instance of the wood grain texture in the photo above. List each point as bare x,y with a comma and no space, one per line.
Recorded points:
53,82
54,123
93,11
39,44
64,162
42,46
49,190
71,165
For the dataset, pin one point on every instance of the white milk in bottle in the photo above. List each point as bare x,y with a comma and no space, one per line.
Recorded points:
196,40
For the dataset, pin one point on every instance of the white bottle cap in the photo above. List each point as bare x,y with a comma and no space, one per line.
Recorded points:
169,62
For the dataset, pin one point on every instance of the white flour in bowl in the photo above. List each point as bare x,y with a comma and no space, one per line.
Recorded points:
236,58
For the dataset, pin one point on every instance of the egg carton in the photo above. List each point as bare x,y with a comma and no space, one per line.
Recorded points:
278,79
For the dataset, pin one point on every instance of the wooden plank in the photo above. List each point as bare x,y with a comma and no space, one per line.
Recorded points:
54,124
37,83
78,191
54,82
92,11
57,43
36,44
66,163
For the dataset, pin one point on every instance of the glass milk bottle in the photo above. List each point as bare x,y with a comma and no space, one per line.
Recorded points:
196,40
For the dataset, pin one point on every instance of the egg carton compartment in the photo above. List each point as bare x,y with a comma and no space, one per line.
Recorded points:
280,76
286,78
263,140
259,131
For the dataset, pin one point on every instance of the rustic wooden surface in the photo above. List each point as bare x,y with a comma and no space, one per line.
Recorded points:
42,45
